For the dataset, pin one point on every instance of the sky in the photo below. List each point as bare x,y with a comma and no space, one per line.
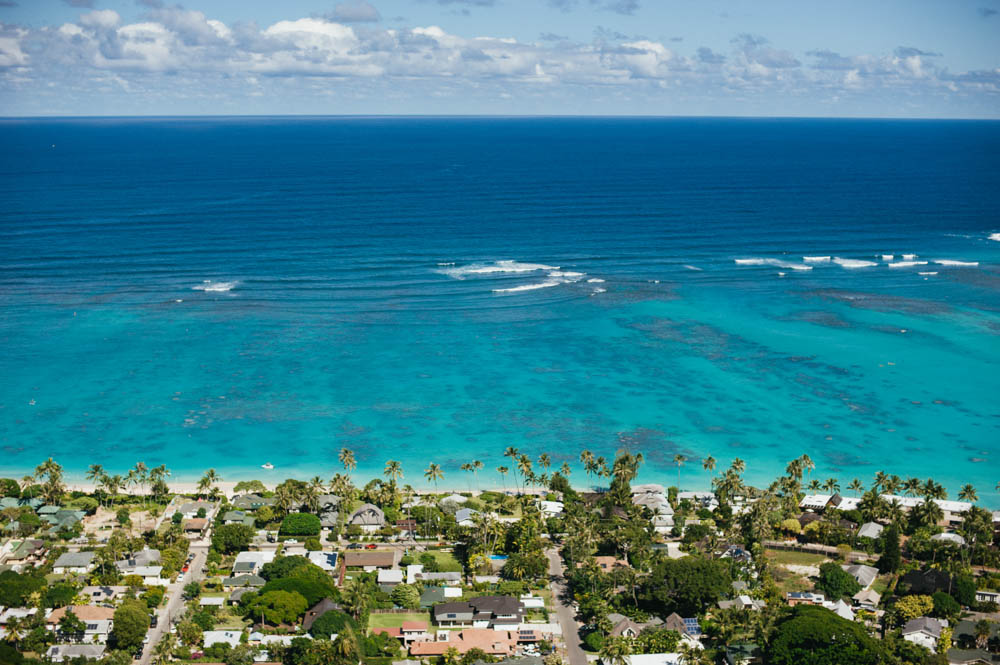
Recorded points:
843,58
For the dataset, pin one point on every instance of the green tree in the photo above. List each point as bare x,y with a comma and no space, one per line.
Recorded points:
300,524
816,636
685,586
189,633
278,607
332,623
71,626
836,582
230,538
945,607
406,595
131,621
890,560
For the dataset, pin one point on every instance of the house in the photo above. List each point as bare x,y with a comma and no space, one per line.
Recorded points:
325,560
985,596
415,573
27,551
840,608
742,602
230,637
736,553
151,575
743,654
327,511
98,621
463,516
211,601
16,613
872,530
318,610
951,538
251,502
924,582
244,581
58,653
622,626
454,499
969,657
410,631
815,501
408,528
103,594
141,559
238,517
700,499
482,612
191,509
609,563
550,508
369,517
493,642
389,578
865,575
371,560
651,659
794,598
250,563
195,527
74,563
925,631
867,599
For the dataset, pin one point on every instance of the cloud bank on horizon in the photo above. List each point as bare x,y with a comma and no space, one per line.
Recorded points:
349,58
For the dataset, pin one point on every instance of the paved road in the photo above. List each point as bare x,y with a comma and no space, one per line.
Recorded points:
175,600
565,613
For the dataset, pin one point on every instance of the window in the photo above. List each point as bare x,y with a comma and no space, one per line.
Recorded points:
452,616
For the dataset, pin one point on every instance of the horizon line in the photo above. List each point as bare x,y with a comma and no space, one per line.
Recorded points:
493,116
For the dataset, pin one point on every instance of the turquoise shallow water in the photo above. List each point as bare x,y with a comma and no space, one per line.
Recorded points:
357,295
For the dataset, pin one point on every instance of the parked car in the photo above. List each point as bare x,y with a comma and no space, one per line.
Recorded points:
371,546
355,546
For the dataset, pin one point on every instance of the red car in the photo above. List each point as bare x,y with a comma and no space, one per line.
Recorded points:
371,546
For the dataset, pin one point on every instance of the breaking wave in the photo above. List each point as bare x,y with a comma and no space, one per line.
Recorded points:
906,264
853,263
772,262
956,264
214,287
497,267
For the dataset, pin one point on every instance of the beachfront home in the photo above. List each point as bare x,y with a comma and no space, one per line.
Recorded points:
190,509
251,502
925,631
481,612
74,563
464,516
872,530
550,508
700,499
238,517
454,499
59,653
369,517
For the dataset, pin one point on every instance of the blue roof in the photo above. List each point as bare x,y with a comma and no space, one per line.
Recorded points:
692,627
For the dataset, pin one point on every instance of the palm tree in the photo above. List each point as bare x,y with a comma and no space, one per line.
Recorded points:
807,464
140,475
502,470
708,464
94,474
346,458
565,470
814,485
616,650
856,486
911,487
477,465
544,461
893,484
513,454
679,460
467,467
831,485
968,493
524,466
739,466
433,473
393,471
982,628
16,630
114,485
587,460
207,482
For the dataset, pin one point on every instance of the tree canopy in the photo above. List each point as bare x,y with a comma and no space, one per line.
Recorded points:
812,635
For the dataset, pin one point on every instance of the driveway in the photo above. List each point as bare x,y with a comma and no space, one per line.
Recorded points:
565,613
175,600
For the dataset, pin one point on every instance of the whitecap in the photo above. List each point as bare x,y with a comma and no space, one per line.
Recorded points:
595,280
816,259
447,263
460,272
995,236
906,264
772,262
690,267
568,275
214,287
956,264
927,273
853,263
909,257
598,290
888,257
781,274
530,287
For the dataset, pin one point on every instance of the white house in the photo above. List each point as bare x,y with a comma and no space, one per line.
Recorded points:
870,530
325,560
924,631
250,563
550,508
230,637
74,563
59,653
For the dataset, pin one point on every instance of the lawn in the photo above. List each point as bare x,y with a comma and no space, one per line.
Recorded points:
395,620
788,581
780,557
446,561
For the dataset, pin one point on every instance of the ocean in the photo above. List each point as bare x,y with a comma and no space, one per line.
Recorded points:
225,292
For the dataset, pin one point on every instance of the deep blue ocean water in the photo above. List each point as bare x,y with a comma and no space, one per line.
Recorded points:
228,292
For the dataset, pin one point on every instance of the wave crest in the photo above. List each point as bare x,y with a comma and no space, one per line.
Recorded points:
853,263
209,286
461,272
772,262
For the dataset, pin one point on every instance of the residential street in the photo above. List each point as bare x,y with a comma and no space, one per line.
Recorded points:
565,613
175,600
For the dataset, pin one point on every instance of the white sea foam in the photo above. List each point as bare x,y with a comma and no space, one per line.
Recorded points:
853,263
906,264
956,264
598,290
909,257
214,287
927,273
778,263
530,287
690,267
447,263
595,280
995,236
461,272
888,257
574,276
816,259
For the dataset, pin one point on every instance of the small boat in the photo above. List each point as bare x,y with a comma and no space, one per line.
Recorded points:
267,466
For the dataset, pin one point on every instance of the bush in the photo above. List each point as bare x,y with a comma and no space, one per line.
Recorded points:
312,591
230,538
594,640
836,582
300,524
945,607
333,622
313,544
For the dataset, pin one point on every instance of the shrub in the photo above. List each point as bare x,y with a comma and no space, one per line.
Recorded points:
230,538
333,622
313,544
594,640
836,582
300,524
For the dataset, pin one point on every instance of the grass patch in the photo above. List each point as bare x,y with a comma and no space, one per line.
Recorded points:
395,620
787,581
446,561
781,557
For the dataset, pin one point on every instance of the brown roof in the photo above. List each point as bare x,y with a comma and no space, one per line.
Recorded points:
196,524
610,562
497,642
414,625
382,559
83,613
